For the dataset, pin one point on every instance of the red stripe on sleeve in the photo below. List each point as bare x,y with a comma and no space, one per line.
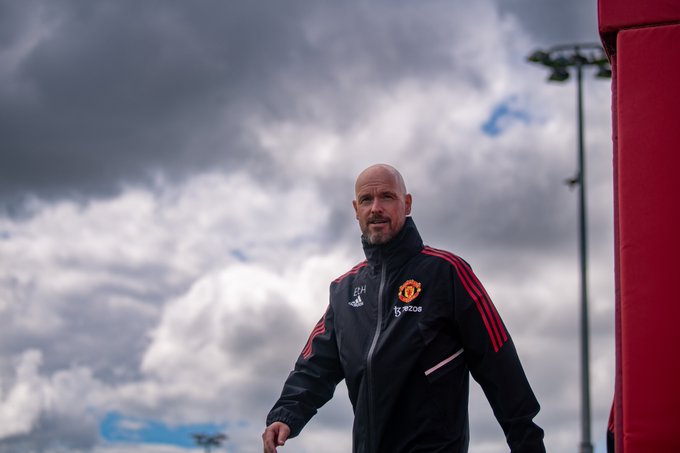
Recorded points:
319,329
494,313
475,289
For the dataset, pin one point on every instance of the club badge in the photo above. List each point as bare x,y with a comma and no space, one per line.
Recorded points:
409,291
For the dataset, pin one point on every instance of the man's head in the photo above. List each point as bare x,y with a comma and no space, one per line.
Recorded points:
381,203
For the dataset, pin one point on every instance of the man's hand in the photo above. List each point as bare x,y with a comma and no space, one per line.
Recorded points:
274,436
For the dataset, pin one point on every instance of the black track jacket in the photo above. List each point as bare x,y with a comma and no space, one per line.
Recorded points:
404,329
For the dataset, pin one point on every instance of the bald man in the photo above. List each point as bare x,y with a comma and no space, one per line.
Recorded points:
405,328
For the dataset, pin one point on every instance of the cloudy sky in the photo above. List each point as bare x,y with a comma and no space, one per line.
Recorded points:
175,196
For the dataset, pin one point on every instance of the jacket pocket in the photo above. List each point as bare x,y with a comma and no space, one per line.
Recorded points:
447,384
444,366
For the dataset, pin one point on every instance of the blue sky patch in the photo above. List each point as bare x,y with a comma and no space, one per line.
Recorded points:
119,428
239,255
503,116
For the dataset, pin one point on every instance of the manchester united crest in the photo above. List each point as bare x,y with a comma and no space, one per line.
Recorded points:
409,291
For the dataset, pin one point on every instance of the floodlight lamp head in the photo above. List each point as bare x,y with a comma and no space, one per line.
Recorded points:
561,62
559,74
539,56
603,72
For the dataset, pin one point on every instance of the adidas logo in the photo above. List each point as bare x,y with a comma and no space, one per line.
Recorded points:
356,302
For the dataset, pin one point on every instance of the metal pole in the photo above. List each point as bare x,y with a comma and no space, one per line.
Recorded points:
586,444
558,59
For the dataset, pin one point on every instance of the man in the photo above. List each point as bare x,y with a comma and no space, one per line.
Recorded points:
405,328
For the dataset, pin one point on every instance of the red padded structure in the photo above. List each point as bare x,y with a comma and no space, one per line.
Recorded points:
643,42
618,15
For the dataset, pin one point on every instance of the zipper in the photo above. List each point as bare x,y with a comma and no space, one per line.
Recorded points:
369,360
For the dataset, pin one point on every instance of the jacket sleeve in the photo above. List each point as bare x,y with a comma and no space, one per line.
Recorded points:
494,363
313,380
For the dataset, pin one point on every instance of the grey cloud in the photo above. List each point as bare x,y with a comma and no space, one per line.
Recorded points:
266,342
101,323
496,207
122,93
116,92
552,22
78,433
90,330
114,96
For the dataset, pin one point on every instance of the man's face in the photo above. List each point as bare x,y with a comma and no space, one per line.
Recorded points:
381,205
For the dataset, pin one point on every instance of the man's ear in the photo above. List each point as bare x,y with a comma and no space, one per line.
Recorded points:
356,211
408,200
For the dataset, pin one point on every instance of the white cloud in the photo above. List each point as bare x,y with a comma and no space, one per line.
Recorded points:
33,399
23,402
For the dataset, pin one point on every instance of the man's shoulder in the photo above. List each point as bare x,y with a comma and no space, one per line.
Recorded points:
353,271
436,254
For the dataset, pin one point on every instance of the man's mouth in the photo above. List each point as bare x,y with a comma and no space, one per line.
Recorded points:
377,221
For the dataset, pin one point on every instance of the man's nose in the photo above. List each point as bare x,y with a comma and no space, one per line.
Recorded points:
376,206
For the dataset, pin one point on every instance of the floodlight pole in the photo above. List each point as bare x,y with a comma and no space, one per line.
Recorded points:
586,444
559,58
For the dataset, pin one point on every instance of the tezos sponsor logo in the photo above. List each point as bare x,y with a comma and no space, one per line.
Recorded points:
407,308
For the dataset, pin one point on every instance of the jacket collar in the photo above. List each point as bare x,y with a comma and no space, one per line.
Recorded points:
397,251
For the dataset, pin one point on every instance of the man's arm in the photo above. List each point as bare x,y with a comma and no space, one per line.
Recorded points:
513,402
495,365
310,385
